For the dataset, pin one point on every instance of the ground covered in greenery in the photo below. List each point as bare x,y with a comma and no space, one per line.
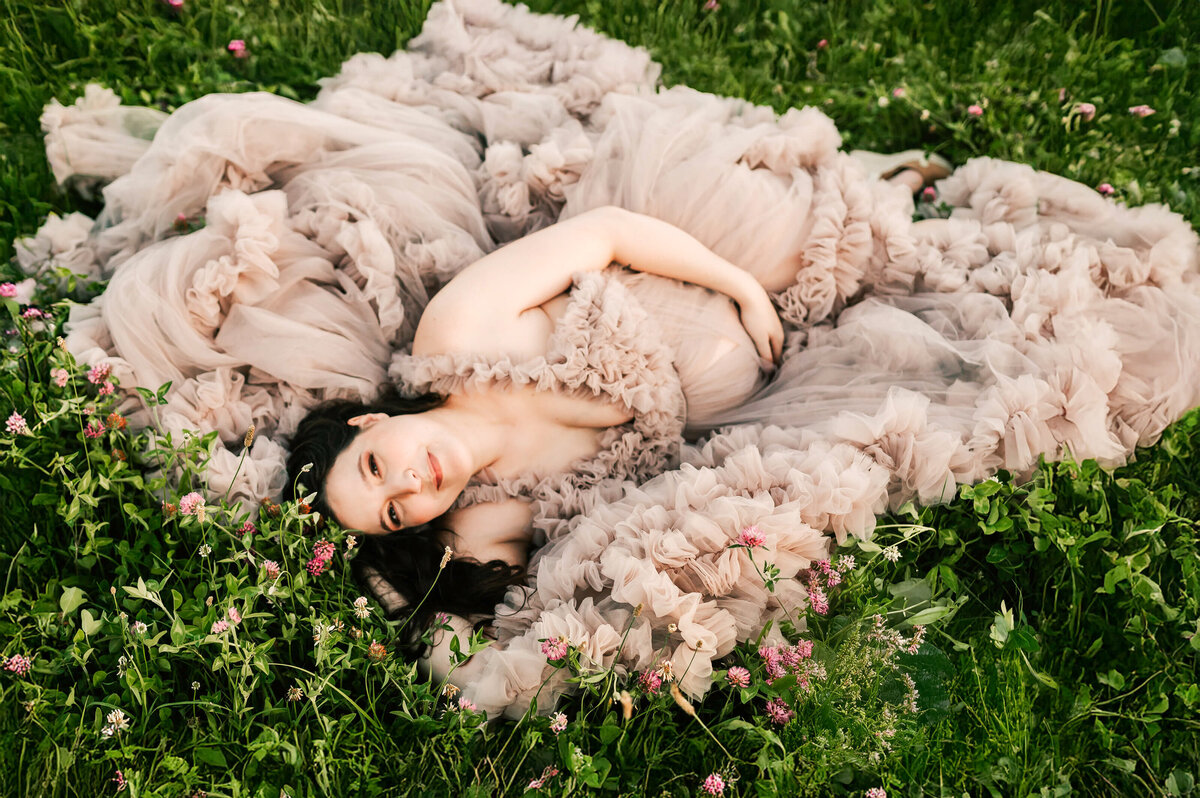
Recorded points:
146,646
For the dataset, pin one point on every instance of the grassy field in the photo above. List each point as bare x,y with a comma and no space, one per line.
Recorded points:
1063,638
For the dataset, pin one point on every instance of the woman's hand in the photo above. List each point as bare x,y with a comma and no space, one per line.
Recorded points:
761,321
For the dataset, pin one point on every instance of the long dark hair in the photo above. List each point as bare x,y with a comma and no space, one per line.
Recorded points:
408,561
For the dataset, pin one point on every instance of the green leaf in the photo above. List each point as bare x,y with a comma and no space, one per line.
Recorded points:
89,624
11,600
609,733
928,616
211,756
766,734
1180,782
71,598
178,633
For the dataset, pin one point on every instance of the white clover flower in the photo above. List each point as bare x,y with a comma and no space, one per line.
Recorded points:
891,554
139,627
205,550
117,720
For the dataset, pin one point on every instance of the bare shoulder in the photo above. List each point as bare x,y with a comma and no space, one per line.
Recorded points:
473,325
493,531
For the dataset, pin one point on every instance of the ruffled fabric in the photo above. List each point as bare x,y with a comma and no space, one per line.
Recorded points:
1039,320
96,139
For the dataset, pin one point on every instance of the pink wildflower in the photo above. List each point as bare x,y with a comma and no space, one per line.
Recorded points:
323,550
441,619
555,649
821,45
32,313
775,666
234,615
105,389
540,781
238,48
465,703
899,92
711,5
876,792
929,194
219,626
189,503
316,566
1106,189
99,373
818,600
804,648
914,642
270,568
738,676
751,537
1087,111
18,664
779,712
376,652
651,682
1141,110
713,785
248,528
60,377
558,723
16,424
94,429
1062,95
120,780
975,110
8,290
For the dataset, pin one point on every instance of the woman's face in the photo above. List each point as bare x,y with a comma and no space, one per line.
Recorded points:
399,471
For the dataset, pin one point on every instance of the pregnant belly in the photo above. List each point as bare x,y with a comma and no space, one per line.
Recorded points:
717,363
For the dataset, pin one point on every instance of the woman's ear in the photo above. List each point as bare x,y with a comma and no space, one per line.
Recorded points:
366,419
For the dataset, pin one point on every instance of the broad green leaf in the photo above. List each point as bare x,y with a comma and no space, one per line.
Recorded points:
89,624
211,756
71,598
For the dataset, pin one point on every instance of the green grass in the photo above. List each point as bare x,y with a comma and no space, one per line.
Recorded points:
1088,688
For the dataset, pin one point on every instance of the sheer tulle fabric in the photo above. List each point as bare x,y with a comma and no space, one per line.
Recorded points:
1040,319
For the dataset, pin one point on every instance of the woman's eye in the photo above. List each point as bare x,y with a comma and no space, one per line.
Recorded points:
395,519
371,464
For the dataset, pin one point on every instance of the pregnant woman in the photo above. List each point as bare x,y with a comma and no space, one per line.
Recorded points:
542,376
442,220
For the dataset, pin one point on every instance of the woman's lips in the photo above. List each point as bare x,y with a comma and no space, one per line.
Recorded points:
437,471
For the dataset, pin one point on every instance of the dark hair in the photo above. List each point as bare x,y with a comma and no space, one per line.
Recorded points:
409,560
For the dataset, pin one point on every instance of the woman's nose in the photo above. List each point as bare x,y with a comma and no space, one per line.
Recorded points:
407,481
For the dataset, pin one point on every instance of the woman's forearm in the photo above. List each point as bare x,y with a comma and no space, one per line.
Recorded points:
653,246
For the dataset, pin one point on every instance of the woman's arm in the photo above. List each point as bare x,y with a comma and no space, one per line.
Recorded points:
532,270
439,659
